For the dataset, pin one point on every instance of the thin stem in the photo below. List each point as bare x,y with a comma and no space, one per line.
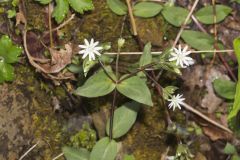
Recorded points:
112,114
184,24
214,30
50,23
58,156
105,71
133,23
159,90
28,151
160,52
189,108
137,71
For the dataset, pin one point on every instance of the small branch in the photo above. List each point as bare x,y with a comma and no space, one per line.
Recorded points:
28,151
133,23
189,108
184,24
58,156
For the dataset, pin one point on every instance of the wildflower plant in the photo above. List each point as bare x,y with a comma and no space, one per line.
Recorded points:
133,85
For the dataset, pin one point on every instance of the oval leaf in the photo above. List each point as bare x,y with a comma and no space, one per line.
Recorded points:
136,89
146,9
8,51
225,88
97,85
175,15
117,7
146,57
199,40
105,149
76,154
6,72
44,1
61,10
205,15
124,118
236,105
81,5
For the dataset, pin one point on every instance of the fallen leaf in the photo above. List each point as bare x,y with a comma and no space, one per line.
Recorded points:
59,59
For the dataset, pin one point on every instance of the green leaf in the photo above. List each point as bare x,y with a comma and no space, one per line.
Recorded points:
124,118
44,1
235,156
117,7
11,13
87,65
97,85
238,1
128,157
225,88
105,149
81,5
146,57
6,72
136,89
229,149
199,40
76,154
175,15
8,51
61,10
206,16
74,68
146,9
168,91
236,104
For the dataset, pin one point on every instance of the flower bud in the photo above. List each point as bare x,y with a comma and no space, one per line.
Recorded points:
121,42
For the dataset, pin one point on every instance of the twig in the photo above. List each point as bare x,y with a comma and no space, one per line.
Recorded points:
198,24
189,108
160,52
64,23
184,24
58,156
50,23
133,23
29,150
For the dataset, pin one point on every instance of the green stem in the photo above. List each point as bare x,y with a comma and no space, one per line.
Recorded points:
137,71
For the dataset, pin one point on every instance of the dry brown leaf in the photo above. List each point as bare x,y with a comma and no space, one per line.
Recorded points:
20,18
59,59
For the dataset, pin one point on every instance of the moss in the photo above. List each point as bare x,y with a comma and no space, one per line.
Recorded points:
85,138
37,16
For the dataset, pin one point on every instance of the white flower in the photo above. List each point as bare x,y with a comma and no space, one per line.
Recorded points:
175,101
90,49
181,57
